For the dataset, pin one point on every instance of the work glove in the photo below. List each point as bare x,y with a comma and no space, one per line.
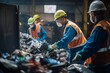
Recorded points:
77,58
52,47
38,39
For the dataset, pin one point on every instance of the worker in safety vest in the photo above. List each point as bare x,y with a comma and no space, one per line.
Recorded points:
97,47
73,38
36,30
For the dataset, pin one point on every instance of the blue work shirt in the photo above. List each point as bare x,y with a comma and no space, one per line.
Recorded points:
68,36
94,43
42,34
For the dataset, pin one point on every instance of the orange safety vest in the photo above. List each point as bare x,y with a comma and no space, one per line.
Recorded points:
79,39
102,57
34,33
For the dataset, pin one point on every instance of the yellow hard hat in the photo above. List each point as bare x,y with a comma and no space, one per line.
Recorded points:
59,14
36,17
30,20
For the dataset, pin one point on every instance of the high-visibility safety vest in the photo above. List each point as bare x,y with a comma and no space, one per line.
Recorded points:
102,57
79,39
34,33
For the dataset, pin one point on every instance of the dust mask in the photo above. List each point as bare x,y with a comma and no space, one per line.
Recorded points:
93,20
58,24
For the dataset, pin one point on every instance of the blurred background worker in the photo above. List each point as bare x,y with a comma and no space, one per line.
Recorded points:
98,44
73,37
36,30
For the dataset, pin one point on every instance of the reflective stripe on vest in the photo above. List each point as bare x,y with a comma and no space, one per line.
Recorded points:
78,36
104,49
79,39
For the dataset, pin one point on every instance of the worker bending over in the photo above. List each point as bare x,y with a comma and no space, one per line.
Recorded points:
36,30
73,38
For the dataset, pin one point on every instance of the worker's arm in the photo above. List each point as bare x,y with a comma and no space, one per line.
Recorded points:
42,34
67,38
94,43
29,30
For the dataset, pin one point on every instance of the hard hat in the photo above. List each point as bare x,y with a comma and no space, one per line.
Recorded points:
30,20
59,14
97,5
36,17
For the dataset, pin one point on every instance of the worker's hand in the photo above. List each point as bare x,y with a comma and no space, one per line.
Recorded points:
38,39
52,47
77,58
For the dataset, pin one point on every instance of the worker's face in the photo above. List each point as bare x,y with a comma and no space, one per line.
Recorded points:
59,22
92,17
37,20
32,25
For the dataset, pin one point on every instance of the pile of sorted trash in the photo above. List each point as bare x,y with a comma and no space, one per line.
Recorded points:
33,57
27,42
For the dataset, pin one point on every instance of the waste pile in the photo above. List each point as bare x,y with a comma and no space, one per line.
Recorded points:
33,57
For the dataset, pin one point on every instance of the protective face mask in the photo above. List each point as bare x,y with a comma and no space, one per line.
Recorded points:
58,24
91,19
31,26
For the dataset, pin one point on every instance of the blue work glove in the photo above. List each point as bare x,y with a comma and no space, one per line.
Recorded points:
38,39
77,58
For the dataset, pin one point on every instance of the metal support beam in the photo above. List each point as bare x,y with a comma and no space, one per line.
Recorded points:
33,7
85,16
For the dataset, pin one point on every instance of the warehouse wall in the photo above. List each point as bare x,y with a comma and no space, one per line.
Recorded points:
39,9
73,10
